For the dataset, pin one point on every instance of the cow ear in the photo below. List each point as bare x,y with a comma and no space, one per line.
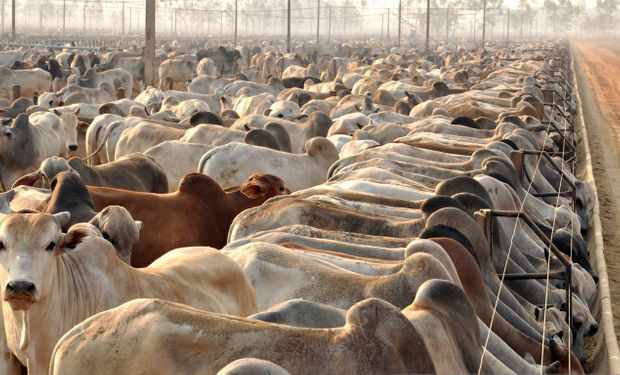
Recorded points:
29,180
267,112
83,125
139,224
252,190
62,218
77,111
72,239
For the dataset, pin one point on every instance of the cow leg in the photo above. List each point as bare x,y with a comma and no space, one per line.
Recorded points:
9,364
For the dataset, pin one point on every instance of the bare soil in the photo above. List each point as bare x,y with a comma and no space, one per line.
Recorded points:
598,71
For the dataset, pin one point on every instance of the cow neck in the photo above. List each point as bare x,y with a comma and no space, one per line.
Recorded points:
467,226
237,202
473,283
24,151
84,281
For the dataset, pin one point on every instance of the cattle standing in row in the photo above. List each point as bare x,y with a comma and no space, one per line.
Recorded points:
385,258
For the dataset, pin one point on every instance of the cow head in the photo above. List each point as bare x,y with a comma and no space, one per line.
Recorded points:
29,245
43,177
119,228
69,122
264,186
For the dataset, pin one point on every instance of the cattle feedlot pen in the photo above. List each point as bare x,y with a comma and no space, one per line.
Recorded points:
268,183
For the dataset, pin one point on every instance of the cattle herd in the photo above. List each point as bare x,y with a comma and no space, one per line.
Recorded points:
360,211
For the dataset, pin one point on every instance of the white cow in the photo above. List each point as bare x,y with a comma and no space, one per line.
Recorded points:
185,108
32,82
212,135
206,66
232,164
253,104
285,109
177,159
25,144
176,70
66,121
64,279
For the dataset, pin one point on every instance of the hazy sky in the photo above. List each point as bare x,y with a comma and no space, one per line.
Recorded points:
394,3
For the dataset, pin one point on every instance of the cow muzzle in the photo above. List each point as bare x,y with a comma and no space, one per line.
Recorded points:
20,294
73,148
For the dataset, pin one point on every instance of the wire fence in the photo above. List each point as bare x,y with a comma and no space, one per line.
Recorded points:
125,21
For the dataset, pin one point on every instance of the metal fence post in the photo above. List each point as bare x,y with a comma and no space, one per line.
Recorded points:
12,20
447,24
484,22
149,46
400,14
508,27
329,26
288,26
428,23
236,19
318,29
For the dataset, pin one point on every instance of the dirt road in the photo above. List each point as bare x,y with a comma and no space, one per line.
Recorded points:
598,72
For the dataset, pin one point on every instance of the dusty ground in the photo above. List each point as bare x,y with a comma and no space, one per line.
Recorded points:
598,72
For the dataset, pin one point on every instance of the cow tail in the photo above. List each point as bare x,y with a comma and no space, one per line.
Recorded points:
105,139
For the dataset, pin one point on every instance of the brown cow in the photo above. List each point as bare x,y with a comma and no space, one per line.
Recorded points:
198,213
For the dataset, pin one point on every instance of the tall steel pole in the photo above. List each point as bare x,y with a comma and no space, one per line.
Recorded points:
64,16
508,27
484,22
329,26
318,29
388,26
12,20
288,26
447,24
236,18
428,23
122,16
400,18
475,21
149,45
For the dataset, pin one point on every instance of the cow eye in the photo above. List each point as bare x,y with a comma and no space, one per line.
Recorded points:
51,246
2,246
106,236
281,188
